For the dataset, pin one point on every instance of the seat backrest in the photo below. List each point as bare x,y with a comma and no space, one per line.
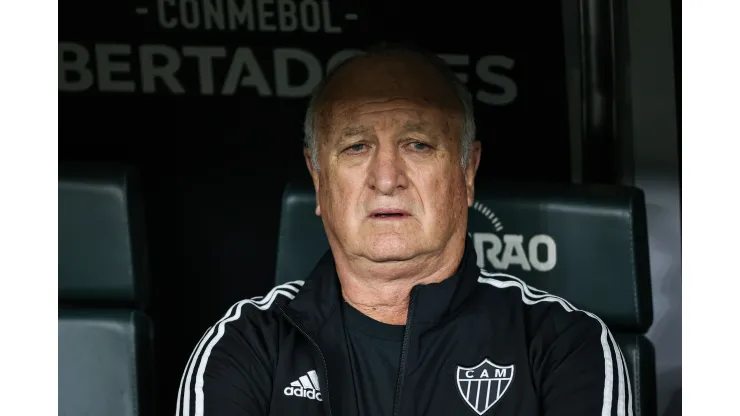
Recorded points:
104,364
105,340
102,252
585,243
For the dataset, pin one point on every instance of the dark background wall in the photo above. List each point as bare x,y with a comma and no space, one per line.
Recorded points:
207,98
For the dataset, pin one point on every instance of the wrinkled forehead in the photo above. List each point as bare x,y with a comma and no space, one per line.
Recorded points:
405,91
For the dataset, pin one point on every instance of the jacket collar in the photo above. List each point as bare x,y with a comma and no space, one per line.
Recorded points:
320,297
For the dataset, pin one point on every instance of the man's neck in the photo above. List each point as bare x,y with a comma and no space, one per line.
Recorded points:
382,290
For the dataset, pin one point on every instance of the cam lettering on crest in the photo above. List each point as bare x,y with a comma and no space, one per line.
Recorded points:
484,384
284,73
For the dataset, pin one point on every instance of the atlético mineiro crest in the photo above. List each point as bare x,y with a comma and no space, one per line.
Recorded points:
483,385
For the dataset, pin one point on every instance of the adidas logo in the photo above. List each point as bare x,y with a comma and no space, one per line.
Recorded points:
306,386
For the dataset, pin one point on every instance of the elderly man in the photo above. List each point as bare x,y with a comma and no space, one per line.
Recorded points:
397,319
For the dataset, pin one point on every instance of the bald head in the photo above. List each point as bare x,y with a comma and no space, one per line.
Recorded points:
383,77
386,74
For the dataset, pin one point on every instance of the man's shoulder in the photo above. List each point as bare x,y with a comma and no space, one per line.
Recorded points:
236,355
538,305
262,310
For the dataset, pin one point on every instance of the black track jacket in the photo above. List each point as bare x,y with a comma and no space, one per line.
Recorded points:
474,344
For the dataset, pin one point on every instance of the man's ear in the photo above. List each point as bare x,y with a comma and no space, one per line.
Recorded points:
314,176
471,170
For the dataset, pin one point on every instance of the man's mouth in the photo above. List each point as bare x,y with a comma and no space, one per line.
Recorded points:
389,214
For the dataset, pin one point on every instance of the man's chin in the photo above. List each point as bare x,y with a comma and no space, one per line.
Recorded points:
388,258
391,251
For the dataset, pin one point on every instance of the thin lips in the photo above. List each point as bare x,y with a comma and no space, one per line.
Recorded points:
388,211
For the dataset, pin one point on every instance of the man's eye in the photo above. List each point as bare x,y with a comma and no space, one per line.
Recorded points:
419,146
356,147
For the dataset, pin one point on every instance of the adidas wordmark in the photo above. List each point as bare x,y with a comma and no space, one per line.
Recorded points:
306,386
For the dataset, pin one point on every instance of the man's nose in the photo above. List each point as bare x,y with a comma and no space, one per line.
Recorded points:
387,170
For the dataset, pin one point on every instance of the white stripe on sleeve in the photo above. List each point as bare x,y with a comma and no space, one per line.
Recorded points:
200,355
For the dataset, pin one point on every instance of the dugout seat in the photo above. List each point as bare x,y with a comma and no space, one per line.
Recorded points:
105,338
585,243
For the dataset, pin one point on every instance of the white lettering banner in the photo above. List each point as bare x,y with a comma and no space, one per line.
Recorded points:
148,69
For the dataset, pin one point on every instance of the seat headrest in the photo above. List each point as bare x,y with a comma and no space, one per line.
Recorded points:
585,243
102,254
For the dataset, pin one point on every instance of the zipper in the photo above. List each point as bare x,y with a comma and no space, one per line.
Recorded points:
404,350
326,369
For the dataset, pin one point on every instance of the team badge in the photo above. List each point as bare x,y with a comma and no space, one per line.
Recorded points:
483,385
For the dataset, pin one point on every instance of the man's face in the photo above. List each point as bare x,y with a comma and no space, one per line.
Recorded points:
390,185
